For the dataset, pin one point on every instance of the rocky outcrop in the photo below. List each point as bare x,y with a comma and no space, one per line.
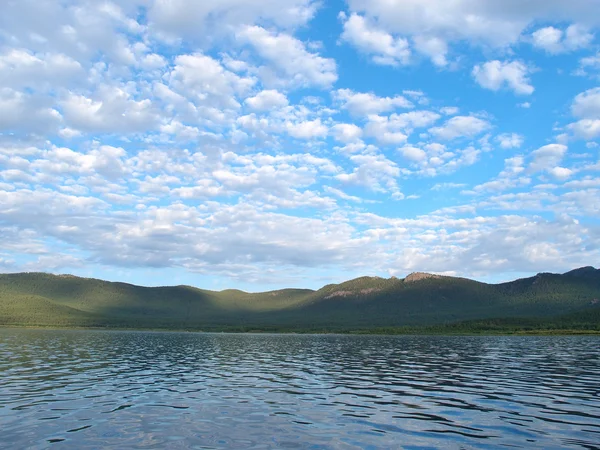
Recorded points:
352,293
416,276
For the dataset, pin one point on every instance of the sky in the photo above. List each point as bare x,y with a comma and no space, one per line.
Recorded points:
259,144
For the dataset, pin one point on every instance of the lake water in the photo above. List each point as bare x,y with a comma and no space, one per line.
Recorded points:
98,389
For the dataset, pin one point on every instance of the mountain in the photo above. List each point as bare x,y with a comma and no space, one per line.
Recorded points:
420,299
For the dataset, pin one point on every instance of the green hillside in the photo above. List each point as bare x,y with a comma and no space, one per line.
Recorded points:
419,300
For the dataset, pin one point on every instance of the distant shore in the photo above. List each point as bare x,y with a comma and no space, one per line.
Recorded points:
401,331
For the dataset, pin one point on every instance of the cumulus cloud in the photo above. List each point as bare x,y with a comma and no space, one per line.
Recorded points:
216,238
307,130
509,140
446,186
288,58
490,23
561,173
548,158
384,48
587,104
495,75
589,62
433,47
71,30
202,137
461,127
198,19
374,171
413,153
27,113
20,68
111,110
380,128
266,100
395,128
586,107
200,78
554,40
347,132
365,103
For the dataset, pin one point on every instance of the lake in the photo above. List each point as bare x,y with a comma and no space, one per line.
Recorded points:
97,389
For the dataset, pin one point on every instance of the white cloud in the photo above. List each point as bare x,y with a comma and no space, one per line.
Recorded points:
231,240
106,161
434,159
388,48
20,68
413,153
586,107
395,129
510,140
202,79
375,172
413,119
309,129
434,47
365,103
461,126
496,74
153,61
449,110
193,19
346,132
586,128
266,100
288,58
27,113
80,31
341,194
561,173
112,110
446,186
380,128
589,62
383,48
578,37
180,132
587,104
547,158
151,133
489,23
548,38
69,133
554,40
593,60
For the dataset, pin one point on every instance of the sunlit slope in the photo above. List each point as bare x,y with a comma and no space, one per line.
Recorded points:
423,299
419,299
144,306
26,310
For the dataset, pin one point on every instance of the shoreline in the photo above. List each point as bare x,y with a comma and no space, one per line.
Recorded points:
345,332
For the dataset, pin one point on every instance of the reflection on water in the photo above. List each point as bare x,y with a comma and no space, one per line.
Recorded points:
93,389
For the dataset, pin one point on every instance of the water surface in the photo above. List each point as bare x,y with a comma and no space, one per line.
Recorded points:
98,389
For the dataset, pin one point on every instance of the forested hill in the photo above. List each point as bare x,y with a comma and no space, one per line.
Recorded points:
420,299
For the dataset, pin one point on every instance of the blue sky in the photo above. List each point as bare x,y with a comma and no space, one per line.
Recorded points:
268,143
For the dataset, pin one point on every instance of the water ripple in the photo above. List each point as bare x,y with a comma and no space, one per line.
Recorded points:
91,389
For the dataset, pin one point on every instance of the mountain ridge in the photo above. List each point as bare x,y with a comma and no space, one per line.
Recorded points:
419,299
412,276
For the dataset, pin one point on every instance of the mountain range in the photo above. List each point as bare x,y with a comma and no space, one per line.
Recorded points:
420,300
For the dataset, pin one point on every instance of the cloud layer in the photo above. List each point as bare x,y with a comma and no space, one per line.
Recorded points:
262,143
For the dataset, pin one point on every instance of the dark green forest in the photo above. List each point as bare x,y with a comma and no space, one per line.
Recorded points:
419,303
